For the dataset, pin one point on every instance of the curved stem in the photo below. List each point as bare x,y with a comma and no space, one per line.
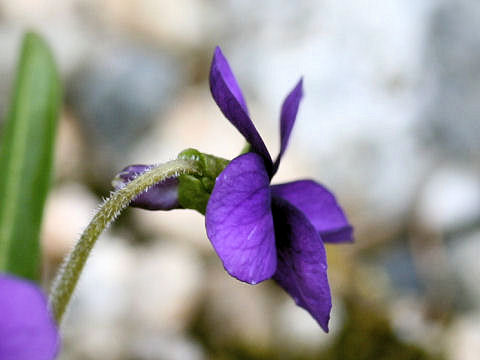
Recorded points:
69,272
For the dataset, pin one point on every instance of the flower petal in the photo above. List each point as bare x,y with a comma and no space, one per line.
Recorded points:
319,206
239,220
226,73
162,196
287,119
302,262
27,329
229,98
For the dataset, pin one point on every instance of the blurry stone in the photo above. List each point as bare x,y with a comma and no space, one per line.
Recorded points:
173,225
450,199
26,11
177,23
68,211
464,255
196,122
408,320
372,282
168,282
9,53
419,267
452,60
96,322
69,149
433,269
119,91
398,264
57,21
294,327
134,302
61,23
106,342
238,313
463,338
153,346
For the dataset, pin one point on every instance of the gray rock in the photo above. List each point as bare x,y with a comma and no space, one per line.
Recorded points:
450,199
463,338
153,346
452,60
119,92
463,257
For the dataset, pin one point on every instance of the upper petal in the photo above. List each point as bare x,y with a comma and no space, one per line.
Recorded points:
221,64
27,329
239,220
229,98
287,119
302,262
161,196
319,206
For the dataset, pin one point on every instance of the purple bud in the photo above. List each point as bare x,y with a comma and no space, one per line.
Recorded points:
162,196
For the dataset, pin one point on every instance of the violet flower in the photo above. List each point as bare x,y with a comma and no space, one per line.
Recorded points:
261,231
27,329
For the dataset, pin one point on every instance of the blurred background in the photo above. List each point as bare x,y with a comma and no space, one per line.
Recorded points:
389,122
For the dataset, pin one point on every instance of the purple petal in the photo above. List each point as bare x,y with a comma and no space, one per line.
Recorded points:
319,206
161,196
302,262
226,73
27,329
229,98
239,220
287,119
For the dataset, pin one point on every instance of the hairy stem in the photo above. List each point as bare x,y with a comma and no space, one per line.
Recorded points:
69,272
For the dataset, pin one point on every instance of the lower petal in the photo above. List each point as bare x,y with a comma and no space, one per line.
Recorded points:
239,220
319,206
27,329
301,262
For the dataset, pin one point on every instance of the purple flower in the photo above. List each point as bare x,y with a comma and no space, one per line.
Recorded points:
27,329
262,231
259,231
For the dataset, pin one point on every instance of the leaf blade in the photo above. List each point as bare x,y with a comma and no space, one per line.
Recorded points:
26,157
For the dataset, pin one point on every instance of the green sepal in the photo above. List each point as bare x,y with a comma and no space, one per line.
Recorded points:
194,191
192,194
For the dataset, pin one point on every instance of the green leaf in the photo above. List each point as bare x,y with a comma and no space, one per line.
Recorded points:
26,157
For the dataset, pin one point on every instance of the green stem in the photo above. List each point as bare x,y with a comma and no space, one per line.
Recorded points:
69,272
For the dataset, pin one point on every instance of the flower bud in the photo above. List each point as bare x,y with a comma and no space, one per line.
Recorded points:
161,196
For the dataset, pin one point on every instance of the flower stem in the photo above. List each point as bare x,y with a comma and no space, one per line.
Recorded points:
69,272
